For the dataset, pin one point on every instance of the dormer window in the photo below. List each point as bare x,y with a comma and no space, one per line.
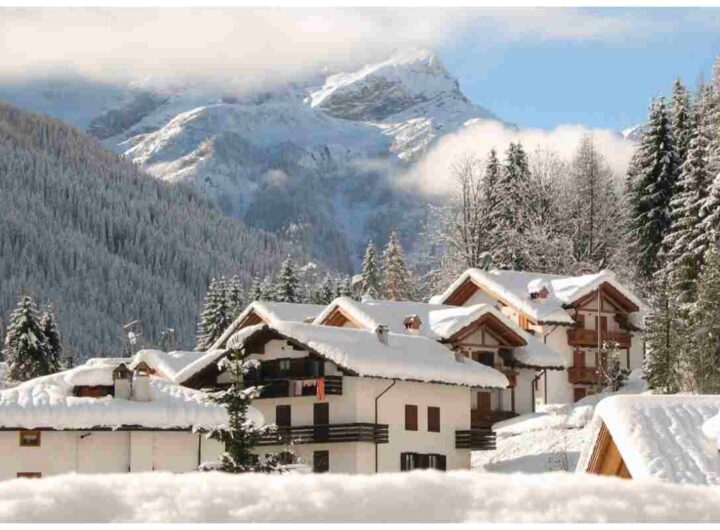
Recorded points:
412,323
542,294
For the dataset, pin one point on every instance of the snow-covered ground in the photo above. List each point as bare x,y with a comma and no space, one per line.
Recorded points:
418,496
551,440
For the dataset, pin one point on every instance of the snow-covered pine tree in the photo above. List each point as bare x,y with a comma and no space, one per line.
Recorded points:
239,435
681,119
511,218
267,290
661,366
256,292
49,327
27,354
214,318
370,272
651,183
397,281
324,293
686,240
287,289
701,348
343,287
234,297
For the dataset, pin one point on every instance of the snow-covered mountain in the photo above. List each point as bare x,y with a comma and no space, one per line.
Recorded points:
314,159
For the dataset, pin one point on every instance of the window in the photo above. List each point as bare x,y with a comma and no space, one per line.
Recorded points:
29,474
321,420
433,419
283,417
411,418
284,368
484,357
29,438
285,458
321,461
410,461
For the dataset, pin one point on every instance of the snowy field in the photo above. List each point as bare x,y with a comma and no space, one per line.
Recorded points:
551,440
417,496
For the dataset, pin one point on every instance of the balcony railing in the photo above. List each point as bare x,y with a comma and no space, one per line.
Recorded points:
589,337
333,433
584,375
479,439
482,419
275,388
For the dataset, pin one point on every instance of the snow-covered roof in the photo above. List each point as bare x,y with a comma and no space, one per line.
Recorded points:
405,357
271,312
48,402
662,436
439,322
515,288
167,364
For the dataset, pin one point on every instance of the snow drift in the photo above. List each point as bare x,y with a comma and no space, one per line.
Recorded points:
418,496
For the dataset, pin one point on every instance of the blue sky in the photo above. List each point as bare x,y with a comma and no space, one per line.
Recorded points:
602,76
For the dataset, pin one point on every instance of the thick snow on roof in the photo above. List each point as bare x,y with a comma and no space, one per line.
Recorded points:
439,322
405,357
271,312
418,496
662,436
168,364
48,402
515,287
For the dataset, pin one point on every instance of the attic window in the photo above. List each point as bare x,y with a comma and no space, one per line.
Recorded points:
29,438
541,294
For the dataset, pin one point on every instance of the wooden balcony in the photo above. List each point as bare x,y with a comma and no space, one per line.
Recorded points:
584,375
589,337
480,419
275,388
478,439
333,433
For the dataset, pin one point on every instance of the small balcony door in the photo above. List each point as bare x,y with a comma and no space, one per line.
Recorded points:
579,358
321,420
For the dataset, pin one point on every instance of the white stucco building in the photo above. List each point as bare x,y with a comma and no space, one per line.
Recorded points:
106,417
565,313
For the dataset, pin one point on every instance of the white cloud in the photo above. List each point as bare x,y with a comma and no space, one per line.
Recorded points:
258,45
432,173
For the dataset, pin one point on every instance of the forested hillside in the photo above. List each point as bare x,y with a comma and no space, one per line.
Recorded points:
105,243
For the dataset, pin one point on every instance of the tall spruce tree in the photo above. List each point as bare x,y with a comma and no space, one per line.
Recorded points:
343,287
397,282
234,298
661,366
287,288
324,293
239,435
371,283
511,219
48,324
701,344
681,119
215,317
27,353
651,182
686,240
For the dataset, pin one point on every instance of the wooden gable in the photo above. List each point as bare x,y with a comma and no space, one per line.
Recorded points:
606,458
462,294
340,319
611,299
490,325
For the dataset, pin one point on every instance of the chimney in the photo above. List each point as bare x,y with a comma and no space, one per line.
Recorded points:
382,333
412,324
122,382
141,386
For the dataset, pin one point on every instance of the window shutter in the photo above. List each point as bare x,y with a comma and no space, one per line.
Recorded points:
411,418
321,461
283,417
423,461
433,419
404,457
442,463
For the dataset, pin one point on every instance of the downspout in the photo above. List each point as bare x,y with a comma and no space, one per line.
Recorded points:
545,385
532,385
199,457
377,398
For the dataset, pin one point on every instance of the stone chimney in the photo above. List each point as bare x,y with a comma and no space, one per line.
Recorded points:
412,324
382,333
122,382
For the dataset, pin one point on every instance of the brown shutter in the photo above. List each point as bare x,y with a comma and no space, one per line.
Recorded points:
283,416
411,418
433,419
321,413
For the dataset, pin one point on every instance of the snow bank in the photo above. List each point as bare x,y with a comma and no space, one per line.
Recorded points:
662,436
430,496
